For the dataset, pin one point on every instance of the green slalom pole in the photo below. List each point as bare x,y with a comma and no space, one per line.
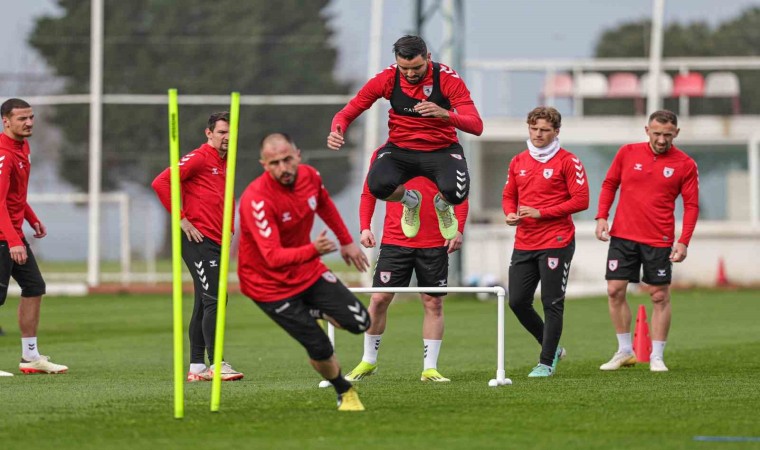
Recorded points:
179,386
224,266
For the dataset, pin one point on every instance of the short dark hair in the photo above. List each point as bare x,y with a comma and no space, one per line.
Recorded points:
664,116
216,117
11,104
547,113
276,137
409,47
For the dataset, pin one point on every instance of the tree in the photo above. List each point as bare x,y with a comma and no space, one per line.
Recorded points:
736,37
199,47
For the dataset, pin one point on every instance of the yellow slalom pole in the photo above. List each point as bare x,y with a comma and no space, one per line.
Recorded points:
179,386
224,266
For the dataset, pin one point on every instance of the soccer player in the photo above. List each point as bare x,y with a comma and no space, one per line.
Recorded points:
202,175
650,175
16,257
545,185
426,255
280,268
429,102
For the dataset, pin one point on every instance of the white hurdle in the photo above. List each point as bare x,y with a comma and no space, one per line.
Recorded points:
501,379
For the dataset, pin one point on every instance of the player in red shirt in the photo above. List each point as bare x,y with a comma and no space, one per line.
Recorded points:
280,268
426,255
202,174
16,257
651,175
545,185
428,104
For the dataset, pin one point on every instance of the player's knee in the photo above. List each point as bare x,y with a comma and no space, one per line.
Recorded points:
616,294
379,186
433,305
454,194
518,303
320,351
660,297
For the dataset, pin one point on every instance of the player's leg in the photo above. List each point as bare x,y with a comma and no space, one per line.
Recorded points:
447,168
623,266
193,257
523,280
29,278
431,265
658,271
6,263
386,177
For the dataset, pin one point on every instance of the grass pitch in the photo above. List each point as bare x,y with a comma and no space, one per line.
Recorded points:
118,393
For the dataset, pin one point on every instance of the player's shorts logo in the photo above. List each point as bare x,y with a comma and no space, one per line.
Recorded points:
548,173
385,277
329,277
668,172
612,264
456,156
553,263
661,272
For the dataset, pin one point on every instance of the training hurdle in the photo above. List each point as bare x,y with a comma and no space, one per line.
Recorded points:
498,291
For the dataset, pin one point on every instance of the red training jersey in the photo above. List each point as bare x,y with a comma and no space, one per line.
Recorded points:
429,235
202,175
15,167
417,133
649,185
557,188
276,259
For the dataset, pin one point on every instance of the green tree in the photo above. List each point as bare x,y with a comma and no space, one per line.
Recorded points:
736,37
199,47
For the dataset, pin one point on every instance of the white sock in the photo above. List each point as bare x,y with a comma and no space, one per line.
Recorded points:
658,348
371,347
432,348
440,203
197,367
624,343
410,199
29,349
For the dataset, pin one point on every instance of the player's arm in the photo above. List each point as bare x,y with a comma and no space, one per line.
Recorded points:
16,246
690,197
464,115
350,252
40,230
367,203
607,196
189,166
576,182
509,198
373,90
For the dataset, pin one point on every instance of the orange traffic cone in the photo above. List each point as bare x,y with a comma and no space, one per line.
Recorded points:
721,280
642,343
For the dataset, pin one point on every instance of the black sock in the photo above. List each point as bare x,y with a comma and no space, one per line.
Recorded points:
340,384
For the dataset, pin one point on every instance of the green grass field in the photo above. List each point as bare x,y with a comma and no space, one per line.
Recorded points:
118,393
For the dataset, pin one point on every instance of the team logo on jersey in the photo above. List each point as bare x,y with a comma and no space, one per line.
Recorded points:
548,173
214,171
637,166
427,90
553,263
329,277
522,172
612,264
385,277
312,202
286,216
21,164
668,172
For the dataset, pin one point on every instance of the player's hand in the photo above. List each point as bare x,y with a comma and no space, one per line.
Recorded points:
430,109
352,254
454,244
40,231
335,139
679,253
18,254
602,230
527,211
368,239
323,244
191,232
513,219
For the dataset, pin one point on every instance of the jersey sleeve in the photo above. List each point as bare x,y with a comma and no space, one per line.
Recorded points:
577,186
461,211
6,225
509,194
258,219
690,197
29,215
374,89
189,165
367,202
610,186
329,214
465,115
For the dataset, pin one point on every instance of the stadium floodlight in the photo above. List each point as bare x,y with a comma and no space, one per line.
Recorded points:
179,386
224,265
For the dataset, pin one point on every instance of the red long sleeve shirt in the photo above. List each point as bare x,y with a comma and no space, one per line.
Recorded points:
202,175
429,235
649,185
276,259
557,188
415,133
15,167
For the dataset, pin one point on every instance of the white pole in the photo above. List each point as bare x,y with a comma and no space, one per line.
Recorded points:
654,101
96,125
126,253
372,123
754,180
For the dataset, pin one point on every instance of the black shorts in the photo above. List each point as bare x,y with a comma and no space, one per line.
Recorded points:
625,258
298,315
27,275
394,166
395,265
